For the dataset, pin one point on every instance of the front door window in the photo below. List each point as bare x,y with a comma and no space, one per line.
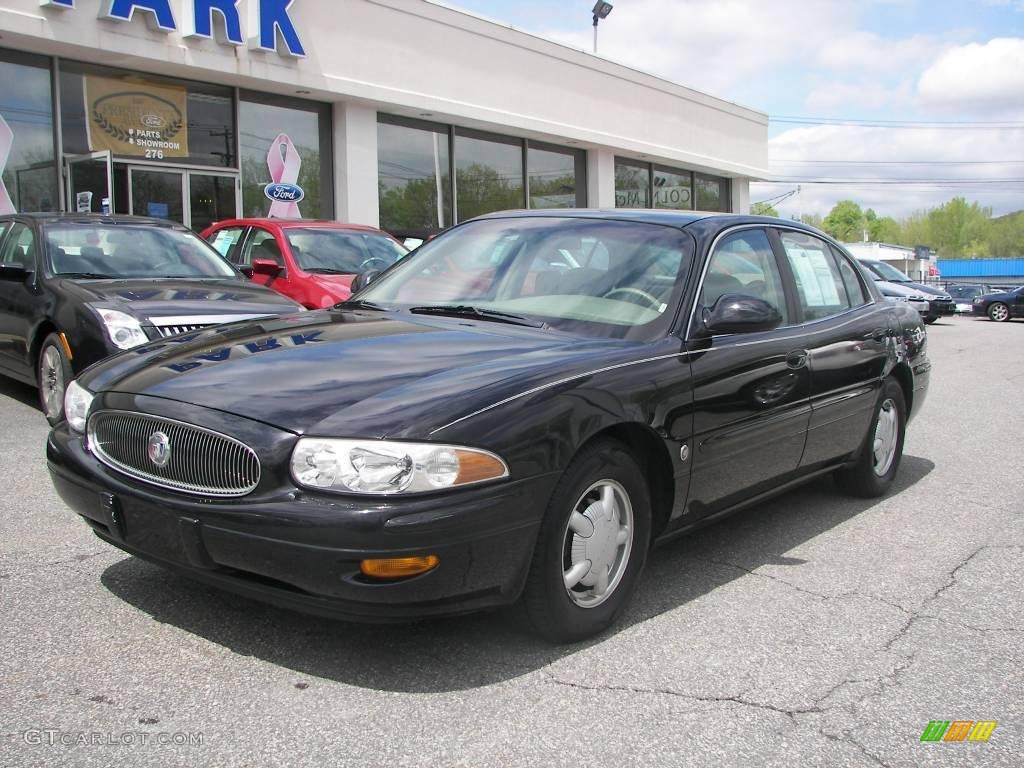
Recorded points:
157,194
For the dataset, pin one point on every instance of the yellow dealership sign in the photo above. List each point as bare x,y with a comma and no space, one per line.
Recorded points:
136,118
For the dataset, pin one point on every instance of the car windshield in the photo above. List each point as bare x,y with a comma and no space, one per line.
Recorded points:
964,291
888,272
131,251
339,251
603,278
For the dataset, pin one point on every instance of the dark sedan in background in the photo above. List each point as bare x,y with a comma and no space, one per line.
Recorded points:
1000,306
517,409
76,288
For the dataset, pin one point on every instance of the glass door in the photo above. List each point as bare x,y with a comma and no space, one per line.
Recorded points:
158,193
89,183
212,197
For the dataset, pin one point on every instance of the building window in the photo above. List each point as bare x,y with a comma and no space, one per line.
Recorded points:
632,184
673,189
415,164
644,185
146,117
712,193
26,128
488,174
285,143
556,176
414,176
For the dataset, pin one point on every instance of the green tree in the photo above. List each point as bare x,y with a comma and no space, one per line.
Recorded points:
763,209
1006,236
883,229
812,220
959,229
845,222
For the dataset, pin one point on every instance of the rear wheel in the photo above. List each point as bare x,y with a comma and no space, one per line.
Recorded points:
591,547
53,374
999,312
880,455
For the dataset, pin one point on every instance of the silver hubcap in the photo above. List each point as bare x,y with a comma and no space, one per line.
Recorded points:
51,381
596,543
999,312
886,433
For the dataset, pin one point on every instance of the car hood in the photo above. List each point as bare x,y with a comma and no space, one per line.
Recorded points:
896,289
931,290
169,297
355,373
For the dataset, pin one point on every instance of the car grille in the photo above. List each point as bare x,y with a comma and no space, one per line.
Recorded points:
199,461
174,330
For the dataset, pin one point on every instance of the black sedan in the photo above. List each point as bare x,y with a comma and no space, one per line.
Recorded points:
1000,306
519,409
75,289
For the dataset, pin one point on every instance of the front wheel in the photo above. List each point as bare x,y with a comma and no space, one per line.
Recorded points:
592,545
931,319
882,450
53,374
999,312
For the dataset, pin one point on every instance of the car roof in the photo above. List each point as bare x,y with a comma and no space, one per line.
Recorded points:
663,216
93,219
292,223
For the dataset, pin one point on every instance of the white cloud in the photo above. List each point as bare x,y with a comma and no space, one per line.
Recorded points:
895,155
843,98
977,78
713,45
865,52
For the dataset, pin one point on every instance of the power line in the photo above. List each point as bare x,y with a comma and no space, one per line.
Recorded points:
873,123
779,160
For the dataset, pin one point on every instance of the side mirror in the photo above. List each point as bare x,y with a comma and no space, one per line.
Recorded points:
363,279
267,267
13,272
740,313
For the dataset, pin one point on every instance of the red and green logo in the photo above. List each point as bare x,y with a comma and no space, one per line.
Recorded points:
958,730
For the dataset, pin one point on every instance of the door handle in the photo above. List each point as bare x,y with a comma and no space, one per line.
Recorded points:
878,334
796,359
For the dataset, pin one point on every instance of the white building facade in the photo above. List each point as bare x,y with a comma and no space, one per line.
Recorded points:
403,114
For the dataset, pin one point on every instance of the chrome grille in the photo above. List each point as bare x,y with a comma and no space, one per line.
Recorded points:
201,461
174,330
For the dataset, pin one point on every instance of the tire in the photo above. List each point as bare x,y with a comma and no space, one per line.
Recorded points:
53,373
877,465
931,319
602,478
998,312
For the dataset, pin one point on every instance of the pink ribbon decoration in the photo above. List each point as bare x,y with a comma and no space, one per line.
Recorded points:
283,162
6,141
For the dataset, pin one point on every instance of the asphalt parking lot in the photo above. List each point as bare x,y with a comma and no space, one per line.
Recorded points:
814,630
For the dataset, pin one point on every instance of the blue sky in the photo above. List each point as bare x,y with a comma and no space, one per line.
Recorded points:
935,63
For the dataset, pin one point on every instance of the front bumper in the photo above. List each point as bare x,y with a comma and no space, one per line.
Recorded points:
941,308
302,550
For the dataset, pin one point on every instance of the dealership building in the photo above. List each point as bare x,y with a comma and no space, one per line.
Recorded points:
404,114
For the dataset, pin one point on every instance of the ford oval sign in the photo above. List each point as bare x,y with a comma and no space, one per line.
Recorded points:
286,193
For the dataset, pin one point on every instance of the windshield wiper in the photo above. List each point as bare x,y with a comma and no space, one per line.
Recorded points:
327,271
86,275
466,310
360,304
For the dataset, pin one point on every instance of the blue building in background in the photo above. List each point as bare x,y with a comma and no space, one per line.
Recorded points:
994,272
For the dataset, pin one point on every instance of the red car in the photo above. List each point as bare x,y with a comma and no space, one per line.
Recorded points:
312,262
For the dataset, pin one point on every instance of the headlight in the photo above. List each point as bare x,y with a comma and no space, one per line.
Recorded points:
124,330
386,467
897,298
77,400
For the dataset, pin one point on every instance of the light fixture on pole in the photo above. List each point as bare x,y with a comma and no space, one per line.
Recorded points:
601,11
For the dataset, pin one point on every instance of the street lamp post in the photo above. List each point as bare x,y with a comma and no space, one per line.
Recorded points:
601,11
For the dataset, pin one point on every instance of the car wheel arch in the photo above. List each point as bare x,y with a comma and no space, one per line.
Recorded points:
648,448
901,373
43,330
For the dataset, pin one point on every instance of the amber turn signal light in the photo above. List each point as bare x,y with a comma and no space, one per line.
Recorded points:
398,567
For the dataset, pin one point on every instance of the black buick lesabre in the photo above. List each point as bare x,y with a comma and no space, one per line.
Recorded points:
517,410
